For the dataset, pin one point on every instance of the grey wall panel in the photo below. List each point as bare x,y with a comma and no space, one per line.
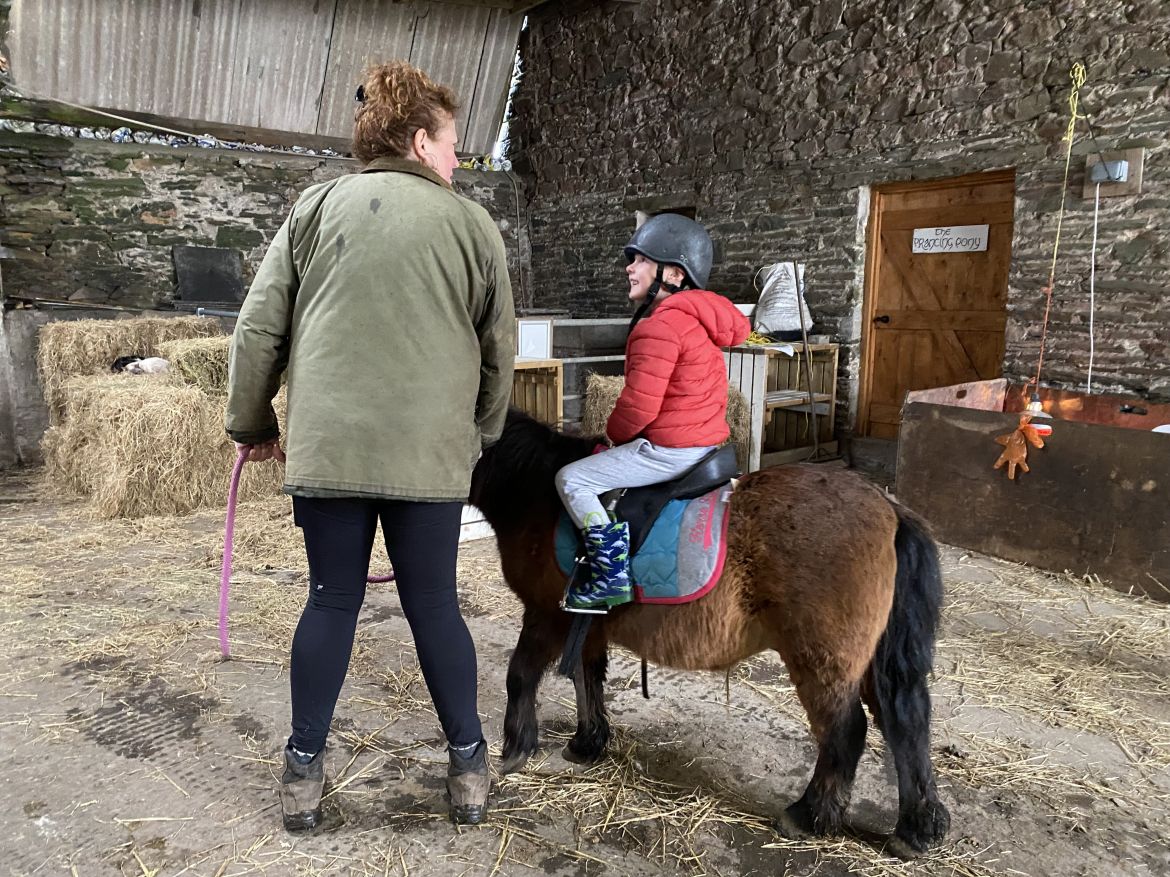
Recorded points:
486,106
365,32
448,46
281,64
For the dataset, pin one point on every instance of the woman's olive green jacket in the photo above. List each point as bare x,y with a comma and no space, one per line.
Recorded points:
385,301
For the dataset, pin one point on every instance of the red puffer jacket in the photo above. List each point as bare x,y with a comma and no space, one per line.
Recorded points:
676,380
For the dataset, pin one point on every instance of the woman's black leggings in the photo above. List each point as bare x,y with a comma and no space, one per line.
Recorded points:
422,540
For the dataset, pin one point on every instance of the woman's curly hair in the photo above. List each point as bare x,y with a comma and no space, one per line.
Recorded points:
395,100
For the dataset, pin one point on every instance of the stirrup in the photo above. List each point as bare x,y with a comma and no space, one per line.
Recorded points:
604,610
564,604
580,568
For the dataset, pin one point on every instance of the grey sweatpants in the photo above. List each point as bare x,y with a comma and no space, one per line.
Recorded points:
635,464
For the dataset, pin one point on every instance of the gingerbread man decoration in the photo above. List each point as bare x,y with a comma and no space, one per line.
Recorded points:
1015,446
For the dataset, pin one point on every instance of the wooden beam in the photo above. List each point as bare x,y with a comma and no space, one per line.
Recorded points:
55,112
508,5
940,321
975,214
512,6
868,303
980,178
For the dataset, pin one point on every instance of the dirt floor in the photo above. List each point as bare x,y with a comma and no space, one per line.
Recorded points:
131,750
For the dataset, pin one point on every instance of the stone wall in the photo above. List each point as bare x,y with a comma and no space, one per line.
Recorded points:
774,117
93,222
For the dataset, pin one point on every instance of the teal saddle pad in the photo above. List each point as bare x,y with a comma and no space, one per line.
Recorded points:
681,558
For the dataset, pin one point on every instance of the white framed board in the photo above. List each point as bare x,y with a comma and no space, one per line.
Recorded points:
950,239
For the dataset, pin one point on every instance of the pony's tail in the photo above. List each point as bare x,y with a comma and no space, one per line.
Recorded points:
898,675
905,653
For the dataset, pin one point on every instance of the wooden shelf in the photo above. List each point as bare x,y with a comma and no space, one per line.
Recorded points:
531,362
775,380
795,455
821,409
793,398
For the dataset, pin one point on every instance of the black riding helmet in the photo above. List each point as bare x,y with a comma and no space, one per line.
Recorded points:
671,239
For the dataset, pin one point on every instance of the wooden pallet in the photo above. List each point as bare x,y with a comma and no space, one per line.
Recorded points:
537,389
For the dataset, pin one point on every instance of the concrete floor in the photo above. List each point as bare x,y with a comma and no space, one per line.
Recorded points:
132,750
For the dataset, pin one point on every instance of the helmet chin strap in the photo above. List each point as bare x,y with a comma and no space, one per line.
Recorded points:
658,285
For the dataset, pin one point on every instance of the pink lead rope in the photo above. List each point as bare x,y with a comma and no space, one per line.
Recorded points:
225,573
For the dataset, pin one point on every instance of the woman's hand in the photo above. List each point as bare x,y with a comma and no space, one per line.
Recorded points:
268,450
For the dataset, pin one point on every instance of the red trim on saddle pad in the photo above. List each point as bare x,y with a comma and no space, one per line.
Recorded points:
716,574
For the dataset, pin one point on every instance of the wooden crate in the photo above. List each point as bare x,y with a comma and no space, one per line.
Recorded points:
537,388
775,386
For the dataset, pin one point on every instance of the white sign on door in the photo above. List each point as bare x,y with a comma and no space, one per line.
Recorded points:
950,239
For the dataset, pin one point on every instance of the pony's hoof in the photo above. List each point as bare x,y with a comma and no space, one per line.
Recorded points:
790,827
919,828
514,763
576,757
898,848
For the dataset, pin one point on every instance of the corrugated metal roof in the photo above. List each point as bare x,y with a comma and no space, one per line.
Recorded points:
288,65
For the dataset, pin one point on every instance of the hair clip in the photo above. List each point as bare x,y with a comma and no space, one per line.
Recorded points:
360,97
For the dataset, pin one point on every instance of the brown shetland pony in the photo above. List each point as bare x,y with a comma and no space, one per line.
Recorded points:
821,568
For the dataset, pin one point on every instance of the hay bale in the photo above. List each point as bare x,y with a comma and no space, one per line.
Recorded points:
199,362
144,445
66,451
739,419
70,348
601,395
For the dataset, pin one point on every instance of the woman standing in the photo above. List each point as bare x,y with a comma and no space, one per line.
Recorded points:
385,300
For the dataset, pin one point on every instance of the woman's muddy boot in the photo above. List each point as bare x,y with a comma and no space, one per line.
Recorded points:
300,789
468,784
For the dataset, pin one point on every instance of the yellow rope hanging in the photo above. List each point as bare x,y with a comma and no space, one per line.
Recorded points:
1078,76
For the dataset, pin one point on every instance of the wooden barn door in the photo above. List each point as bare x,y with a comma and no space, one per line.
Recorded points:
934,317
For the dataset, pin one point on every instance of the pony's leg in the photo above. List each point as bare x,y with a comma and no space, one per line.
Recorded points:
923,819
588,744
838,725
541,638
